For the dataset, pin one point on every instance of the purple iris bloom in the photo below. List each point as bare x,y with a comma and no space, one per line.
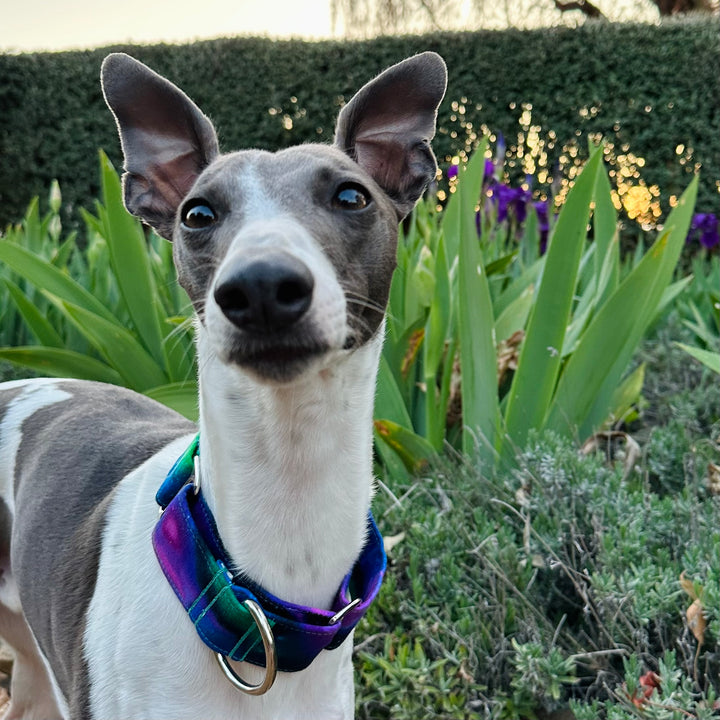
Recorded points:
503,198
452,171
704,227
500,151
489,171
543,216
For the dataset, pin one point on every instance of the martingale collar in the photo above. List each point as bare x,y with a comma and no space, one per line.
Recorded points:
197,566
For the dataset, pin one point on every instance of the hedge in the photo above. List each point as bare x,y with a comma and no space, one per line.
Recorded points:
652,91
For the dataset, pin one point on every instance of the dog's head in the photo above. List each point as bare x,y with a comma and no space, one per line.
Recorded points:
288,256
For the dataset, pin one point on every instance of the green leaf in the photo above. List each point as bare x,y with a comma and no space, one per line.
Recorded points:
532,388
707,357
438,330
58,362
475,323
515,315
120,348
627,394
412,449
592,373
44,276
181,397
389,401
129,258
38,324
605,220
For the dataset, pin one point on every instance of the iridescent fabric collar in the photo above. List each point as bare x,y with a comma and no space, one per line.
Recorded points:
192,556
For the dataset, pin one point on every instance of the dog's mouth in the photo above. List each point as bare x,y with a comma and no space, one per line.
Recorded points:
279,360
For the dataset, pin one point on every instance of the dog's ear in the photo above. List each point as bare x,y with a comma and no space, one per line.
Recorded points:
166,140
388,125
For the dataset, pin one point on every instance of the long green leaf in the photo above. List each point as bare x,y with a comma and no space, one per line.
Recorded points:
120,348
594,370
627,394
438,329
604,219
129,259
532,389
44,276
38,324
515,315
476,320
182,397
58,362
707,357
389,402
412,449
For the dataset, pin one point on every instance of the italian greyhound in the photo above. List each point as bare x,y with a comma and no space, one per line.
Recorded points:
148,571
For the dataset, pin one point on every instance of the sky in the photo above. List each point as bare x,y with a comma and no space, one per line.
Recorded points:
27,25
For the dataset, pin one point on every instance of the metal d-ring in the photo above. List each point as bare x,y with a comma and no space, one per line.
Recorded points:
338,616
268,641
196,475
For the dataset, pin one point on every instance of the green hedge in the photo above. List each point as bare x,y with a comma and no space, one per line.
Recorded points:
600,78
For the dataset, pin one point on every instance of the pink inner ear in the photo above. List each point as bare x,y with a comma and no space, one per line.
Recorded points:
385,160
161,169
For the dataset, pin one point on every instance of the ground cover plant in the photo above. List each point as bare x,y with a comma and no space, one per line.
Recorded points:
531,572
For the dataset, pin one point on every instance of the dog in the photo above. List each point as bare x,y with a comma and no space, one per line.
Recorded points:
132,547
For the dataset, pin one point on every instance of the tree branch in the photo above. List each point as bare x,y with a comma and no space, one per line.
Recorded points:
584,6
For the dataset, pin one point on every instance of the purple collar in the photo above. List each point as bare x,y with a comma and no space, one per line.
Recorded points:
196,564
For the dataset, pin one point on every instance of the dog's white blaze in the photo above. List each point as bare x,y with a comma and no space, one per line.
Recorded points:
257,203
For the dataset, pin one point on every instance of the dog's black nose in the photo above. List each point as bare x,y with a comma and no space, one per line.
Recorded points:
265,295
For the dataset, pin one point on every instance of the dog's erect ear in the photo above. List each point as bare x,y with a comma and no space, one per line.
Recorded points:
387,127
165,138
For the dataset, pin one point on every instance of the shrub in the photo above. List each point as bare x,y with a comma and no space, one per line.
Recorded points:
546,90
560,579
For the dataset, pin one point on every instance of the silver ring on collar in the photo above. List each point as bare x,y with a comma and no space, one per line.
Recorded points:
196,474
268,641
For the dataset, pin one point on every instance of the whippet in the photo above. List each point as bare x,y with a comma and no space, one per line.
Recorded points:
147,571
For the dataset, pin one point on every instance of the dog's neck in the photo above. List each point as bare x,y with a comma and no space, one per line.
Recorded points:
287,471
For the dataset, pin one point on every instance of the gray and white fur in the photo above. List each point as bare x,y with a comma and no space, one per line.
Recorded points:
287,258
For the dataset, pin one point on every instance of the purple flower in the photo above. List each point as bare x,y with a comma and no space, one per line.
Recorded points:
502,197
452,171
500,151
542,212
489,171
704,227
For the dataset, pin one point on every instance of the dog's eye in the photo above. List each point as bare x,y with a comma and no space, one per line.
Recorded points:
351,196
197,214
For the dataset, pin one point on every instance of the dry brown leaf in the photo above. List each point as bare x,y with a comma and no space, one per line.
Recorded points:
617,447
713,479
414,344
463,674
688,586
390,541
696,621
507,355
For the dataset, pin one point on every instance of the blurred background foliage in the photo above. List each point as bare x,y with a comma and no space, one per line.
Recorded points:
545,91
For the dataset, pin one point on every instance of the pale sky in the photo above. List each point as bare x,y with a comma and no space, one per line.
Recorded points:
67,24
27,25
